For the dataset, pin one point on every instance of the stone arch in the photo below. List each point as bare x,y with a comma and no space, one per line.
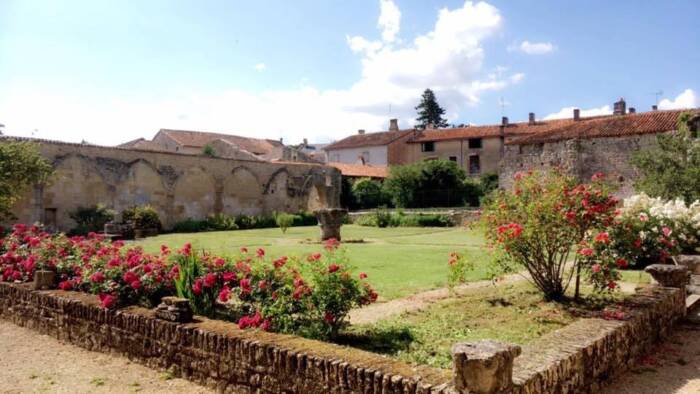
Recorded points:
275,195
75,183
242,192
143,185
194,195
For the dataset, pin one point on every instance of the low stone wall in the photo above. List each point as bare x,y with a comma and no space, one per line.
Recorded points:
585,354
214,353
577,358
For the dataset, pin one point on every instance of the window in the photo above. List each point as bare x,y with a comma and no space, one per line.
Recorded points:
475,143
453,158
365,157
428,146
474,165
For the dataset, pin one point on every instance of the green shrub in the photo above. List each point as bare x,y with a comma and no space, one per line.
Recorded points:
382,218
304,218
221,222
190,226
146,217
284,221
91,219
489,182
367,193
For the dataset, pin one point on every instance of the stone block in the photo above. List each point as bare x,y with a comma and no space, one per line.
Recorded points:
484,367
174,309
669,275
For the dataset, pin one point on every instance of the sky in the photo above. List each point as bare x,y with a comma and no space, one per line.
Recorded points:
111,71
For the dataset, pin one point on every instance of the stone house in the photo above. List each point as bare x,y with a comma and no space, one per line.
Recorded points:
585,147
224,145
477,149
380,149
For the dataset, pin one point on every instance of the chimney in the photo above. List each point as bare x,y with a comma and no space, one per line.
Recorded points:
531,118
306,142
620,107
632,110
393,125
504,121
361,131
577,114
281,140
654,107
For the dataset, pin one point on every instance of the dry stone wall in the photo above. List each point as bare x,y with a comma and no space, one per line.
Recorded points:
179,186
580,157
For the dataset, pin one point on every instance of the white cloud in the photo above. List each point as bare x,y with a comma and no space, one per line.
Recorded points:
533,48
687,99
389,20
568,112
448,59
260,67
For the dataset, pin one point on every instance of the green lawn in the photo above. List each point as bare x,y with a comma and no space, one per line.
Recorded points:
399,261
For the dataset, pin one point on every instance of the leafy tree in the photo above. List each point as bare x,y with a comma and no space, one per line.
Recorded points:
430,183
208,150
367,193
91,219
672,169
429,111
21,165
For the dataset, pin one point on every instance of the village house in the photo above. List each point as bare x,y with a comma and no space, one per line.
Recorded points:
223,145
379,149
585,147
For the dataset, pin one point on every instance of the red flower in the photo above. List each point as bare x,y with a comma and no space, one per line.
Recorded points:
266,325
244,250
329,318
97,277
314,257
219,261
229,276
333,268
602,237
224,294
622,263
570,216
66,285
129,277
164,250
637,243
197,286
363,275
245,285
612,285
210,280
107,301
597,175
262,285
280,262
260,252
331,244
135,284
586,252
595,268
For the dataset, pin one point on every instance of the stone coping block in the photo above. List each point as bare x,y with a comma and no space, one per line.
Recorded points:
483,367
669,275
692,261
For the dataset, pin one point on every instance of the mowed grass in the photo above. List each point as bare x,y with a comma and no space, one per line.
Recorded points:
399,261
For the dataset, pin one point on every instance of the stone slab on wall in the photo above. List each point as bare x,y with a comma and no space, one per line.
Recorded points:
215,353
179,186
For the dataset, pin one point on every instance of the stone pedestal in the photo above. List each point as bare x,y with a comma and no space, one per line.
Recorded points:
44,279
669,275
484,367
330,220
174,309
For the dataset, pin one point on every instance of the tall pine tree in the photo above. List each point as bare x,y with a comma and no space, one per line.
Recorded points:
429,111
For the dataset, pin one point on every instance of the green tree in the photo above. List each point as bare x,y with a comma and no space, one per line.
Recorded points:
208,150
429,111
367,192
672,169
21,165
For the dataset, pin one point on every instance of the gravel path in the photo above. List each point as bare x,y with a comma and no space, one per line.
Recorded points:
35,363
672,367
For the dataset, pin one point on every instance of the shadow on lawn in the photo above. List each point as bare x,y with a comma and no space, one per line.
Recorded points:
383,340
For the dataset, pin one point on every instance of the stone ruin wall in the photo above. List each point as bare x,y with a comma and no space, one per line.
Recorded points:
582,158
178,186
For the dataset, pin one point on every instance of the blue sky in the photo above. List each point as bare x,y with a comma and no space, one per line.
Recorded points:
107,71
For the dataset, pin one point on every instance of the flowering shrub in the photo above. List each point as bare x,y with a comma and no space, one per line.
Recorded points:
459,266
310,296
539,223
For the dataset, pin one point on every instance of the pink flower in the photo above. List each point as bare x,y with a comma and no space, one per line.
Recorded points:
219,261
107,301
210,280
97,277
224,294
597,175
586,252
331,244
595,268
262,285
666,231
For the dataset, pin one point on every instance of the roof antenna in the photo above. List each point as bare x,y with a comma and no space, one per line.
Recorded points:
657,95
502,103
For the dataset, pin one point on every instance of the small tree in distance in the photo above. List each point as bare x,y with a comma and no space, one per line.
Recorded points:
21,166
429,111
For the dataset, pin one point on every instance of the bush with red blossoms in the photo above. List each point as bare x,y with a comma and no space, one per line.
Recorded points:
538,223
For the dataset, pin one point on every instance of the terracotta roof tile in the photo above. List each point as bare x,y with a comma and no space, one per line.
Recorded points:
361,170
199,139
486,131
608,126
368,139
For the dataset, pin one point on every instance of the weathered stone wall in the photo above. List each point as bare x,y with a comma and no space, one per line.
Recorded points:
582,356
582,158
179,186
215,353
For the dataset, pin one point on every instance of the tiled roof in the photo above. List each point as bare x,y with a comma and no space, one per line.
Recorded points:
141,143
368,139
199,139
361,170
608,126
486,131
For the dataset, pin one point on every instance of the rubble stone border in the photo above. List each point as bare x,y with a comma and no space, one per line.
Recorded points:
577,358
